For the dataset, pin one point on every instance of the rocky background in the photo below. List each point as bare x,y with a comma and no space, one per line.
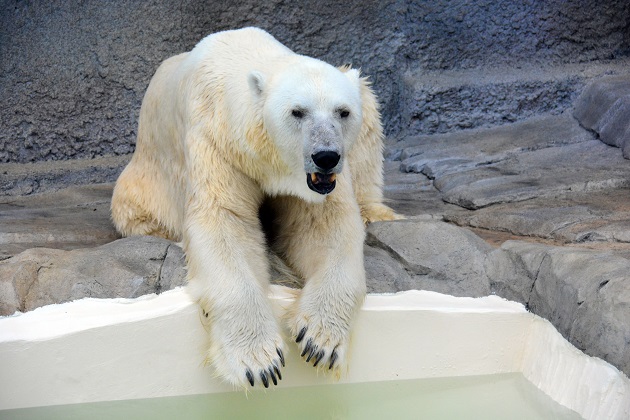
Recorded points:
508,137
73,74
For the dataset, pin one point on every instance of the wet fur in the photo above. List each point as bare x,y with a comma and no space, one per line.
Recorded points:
203,166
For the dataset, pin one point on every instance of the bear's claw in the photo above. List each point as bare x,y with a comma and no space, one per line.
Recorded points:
312,351
250,377
300,336
275,368
333,359
319,357
308,345
281,355
263,378
272,372
273,377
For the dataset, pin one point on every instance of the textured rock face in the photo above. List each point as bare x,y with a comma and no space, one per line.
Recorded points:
18,179
604,107
126,268
584,293
586,296
431,255
545,177
72,218
72,75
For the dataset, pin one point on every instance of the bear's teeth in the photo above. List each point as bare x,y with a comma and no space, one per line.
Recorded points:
332,178
314,178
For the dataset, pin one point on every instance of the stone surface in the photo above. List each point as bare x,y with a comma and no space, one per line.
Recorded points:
584,293
527,176
435,256
520,180
604,107
444,101
76,217
520,165
125,268
600,216
474,148
526,188
586,296
414,194
31,178
72,74
513,269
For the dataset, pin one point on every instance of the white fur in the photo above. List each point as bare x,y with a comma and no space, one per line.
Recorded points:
216,136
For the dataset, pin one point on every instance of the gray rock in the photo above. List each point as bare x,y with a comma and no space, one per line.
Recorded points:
413,194
126,268
602,325
437,155
442,102
583,292
173,272
541,173
75,217
585,295
384,274
604,107
513,269
30,178
437,256
73,73
599,216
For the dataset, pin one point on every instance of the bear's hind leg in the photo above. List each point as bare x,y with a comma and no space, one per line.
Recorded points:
130,207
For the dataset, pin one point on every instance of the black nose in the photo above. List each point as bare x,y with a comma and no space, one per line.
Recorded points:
326,159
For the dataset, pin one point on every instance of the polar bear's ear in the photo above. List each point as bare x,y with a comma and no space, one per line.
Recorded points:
354,76
256,82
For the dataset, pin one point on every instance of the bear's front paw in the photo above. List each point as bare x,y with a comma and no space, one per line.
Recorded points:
247,355
322,342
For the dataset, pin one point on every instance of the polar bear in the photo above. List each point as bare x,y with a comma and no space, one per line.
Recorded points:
239,120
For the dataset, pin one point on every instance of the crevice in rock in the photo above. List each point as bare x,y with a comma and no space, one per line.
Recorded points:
412,269
453,219
24,297
158,282
531,289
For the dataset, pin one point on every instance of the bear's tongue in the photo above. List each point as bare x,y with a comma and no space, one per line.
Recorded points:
321,183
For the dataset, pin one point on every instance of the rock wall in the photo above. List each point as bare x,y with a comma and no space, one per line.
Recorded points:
72,74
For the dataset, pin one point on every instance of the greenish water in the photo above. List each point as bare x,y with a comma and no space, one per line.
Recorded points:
495,397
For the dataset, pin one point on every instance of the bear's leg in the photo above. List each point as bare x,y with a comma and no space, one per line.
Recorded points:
132,200
228,276
324,244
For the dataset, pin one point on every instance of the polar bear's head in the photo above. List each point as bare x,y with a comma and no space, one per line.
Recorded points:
312,113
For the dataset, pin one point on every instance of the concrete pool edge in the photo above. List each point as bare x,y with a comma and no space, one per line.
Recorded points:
98,350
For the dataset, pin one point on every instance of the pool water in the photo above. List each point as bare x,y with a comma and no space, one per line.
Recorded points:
504,396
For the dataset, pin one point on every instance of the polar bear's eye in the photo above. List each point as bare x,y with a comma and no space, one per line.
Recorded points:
344,113
297,113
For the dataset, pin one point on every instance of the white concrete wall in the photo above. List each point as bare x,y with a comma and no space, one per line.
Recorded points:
99,350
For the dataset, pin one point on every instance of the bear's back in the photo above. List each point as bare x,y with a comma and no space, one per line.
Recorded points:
240,49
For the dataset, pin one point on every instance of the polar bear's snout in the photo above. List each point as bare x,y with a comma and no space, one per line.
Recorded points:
326,159
324,180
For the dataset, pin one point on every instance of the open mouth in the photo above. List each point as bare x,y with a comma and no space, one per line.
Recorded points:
321,183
